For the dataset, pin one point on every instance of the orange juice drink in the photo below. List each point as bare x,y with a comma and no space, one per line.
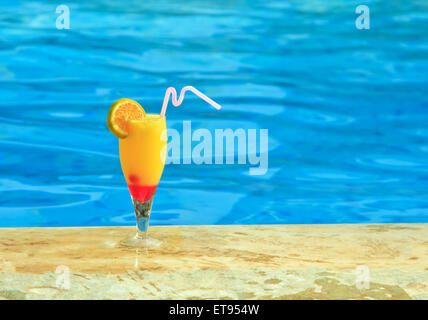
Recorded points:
142,155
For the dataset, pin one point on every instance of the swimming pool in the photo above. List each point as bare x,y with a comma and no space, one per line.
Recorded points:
346,109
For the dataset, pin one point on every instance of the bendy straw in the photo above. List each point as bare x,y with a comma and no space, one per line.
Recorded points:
176,103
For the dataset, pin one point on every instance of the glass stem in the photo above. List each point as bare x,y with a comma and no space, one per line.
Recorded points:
142,213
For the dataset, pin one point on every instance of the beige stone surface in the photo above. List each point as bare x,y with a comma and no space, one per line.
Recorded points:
217,262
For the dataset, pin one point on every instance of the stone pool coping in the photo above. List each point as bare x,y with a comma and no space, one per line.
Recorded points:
217,262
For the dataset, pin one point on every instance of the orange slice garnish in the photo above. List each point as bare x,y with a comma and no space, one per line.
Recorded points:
121,111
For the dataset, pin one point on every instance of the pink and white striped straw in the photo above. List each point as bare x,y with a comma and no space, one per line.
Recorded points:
176,103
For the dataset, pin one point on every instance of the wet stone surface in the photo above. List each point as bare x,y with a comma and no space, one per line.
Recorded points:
217,262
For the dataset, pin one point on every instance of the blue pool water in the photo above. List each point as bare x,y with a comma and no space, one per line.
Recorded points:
346,109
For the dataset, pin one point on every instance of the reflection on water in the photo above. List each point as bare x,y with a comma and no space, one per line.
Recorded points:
346,109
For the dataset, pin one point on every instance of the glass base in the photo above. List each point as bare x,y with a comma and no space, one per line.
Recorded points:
137,242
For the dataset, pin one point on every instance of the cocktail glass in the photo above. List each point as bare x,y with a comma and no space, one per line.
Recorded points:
142,157
142,150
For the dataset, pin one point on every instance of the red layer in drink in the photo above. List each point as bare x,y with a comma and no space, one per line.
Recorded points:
142,193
